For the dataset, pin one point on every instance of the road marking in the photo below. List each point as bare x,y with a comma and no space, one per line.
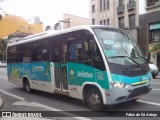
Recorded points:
156,89
35,104
155,83
4,77
147,102
25,103
10,94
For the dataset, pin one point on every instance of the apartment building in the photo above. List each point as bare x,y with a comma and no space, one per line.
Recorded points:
149,28
122,14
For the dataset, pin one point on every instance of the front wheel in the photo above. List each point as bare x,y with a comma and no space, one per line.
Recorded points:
154,76
94,99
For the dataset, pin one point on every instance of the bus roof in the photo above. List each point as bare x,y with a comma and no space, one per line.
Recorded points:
51,33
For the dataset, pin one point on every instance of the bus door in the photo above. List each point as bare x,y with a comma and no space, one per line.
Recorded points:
60,69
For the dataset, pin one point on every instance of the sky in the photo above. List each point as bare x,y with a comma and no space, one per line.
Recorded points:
48,10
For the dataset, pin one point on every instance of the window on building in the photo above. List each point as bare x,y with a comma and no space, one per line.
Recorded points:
131,0
100,22
132,21
107,4
104,5
93,8
101,5
121,22
120,2
107,21
155,35
93,21
152,2
104,22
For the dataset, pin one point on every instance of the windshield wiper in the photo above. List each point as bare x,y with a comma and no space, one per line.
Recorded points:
123,57
142,58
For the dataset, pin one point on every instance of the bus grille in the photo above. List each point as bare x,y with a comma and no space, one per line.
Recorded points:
138,91
132,73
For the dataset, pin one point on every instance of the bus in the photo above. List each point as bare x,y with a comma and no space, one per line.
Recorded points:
97,64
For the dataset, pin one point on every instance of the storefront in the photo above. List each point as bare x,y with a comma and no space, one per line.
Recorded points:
149,35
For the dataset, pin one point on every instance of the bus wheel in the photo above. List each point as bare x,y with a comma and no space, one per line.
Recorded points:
94,99
27,86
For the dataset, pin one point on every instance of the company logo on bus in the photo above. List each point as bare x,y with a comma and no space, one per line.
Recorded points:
84,74
37,68
72,73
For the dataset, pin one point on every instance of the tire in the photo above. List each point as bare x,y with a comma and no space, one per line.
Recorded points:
94,99
27,86
154,76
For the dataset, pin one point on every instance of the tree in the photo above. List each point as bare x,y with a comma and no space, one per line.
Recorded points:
156,48
3,45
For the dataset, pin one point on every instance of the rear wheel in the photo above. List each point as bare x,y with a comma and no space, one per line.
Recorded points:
94,99
27,86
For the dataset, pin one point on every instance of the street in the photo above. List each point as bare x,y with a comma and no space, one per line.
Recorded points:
16,99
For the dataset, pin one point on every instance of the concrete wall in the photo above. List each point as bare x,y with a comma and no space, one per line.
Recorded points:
74,20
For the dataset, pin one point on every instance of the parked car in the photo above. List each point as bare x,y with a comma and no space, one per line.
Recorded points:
3,64
153,69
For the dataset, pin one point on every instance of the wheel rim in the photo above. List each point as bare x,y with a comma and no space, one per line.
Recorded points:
94,99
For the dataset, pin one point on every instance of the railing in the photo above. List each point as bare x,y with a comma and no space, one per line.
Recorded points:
120,8
150,4
131,5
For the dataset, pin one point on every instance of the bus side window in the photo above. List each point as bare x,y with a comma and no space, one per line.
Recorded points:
40,51
12,54
55,53
98,60
92,53
89,50
27,53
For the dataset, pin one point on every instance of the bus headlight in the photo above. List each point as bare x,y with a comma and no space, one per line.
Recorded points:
119,85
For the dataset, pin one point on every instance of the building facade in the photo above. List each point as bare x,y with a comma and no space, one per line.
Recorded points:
67,21
116,13
149,29
72,20
11,23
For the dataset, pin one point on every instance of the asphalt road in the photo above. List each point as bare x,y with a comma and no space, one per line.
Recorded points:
16,99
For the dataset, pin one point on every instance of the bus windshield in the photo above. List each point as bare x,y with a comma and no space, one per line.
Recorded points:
119,46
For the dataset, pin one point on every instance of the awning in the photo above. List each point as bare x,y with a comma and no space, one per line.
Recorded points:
154,26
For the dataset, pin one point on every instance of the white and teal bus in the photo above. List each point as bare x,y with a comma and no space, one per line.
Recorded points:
100,65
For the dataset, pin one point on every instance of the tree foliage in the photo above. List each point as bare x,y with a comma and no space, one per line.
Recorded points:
156,48
3,45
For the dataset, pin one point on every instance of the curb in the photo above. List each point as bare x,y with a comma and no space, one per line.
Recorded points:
1,102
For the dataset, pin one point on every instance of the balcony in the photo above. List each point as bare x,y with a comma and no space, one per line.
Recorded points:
120,8
131,5
153,4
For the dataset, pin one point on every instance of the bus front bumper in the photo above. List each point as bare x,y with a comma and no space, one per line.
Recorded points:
118,95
